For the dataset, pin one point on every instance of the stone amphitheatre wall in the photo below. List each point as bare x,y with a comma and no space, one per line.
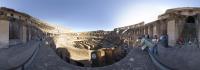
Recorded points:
22,28
178,23
170,23
106,45
17,27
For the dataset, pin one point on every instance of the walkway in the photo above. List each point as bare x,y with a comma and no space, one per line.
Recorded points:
17,55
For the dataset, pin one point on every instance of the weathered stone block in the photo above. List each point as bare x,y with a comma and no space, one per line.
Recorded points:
171,33
4,33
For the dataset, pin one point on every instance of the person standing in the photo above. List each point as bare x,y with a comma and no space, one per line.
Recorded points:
155,42
164,40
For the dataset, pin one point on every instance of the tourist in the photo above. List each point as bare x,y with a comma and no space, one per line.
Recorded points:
180,40
155,42
155,39
147,36
190,43
164,40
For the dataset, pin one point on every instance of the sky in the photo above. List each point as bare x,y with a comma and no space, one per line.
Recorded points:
89,15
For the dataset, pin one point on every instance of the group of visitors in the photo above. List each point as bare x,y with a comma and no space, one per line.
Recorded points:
181,41
163,41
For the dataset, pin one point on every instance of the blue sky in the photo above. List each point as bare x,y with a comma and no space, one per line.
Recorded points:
88,15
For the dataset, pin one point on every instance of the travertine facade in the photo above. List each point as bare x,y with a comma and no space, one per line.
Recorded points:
17,27
172,23
177,23
4,30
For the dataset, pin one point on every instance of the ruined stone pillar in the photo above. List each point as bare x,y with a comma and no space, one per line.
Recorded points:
158,29
29,34
145,30
155,29
141,31
150,30
4,33
23,34
171,31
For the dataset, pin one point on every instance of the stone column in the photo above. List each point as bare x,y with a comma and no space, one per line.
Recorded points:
155,29
23,33
145,30
150,30
29,34
142,30
139,31
171,31
4,33
158,29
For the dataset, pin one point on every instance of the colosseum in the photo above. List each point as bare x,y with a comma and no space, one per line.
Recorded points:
27,43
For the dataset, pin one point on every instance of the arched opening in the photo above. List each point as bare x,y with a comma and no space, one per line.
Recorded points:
1,13
189,31
14,29
190,19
